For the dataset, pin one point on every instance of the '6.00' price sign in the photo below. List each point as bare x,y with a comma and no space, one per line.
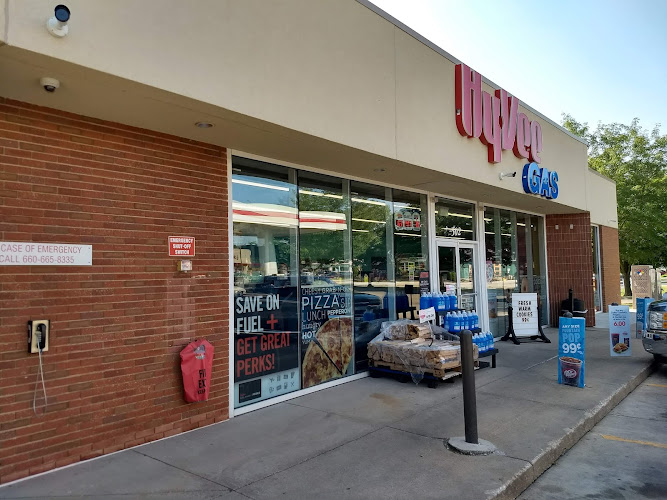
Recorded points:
571,349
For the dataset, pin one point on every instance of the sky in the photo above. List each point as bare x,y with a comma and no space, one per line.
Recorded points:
598,60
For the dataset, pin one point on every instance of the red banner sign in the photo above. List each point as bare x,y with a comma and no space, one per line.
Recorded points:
181,246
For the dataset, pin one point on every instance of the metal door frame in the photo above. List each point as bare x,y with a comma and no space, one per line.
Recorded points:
457,245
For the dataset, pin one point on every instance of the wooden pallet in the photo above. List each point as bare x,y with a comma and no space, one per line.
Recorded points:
429,373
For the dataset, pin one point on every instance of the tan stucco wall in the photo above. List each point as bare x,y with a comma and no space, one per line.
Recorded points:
427,134
3,21
332,69
601,199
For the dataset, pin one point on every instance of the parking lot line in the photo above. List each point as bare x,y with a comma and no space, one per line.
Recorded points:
646,443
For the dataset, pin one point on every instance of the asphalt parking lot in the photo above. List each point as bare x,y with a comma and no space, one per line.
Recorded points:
623,457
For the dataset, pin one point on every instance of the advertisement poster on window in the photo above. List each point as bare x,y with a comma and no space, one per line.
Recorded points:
407,220
424,283
266,350
327,337
571,351
619,331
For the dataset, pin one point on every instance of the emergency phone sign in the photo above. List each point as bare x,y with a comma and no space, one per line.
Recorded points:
181,246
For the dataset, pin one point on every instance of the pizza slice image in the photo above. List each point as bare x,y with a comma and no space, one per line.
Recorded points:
329,353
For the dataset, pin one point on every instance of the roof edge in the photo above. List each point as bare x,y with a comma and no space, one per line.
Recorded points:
593,171
388,17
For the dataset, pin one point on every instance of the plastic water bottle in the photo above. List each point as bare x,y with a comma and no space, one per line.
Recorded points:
425,301
441,305
453,302
466,320
473,322
446,324
456,322
491,339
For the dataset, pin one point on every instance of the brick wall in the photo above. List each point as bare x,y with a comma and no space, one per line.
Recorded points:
112,371
570,262
610,266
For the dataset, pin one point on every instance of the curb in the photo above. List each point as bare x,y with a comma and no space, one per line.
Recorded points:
555,448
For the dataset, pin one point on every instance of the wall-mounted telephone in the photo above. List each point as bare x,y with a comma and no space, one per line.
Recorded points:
38,335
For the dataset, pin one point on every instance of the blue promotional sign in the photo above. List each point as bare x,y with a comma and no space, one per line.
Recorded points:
642,307
571,351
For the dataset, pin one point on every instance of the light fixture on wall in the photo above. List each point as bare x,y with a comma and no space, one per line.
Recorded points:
506,174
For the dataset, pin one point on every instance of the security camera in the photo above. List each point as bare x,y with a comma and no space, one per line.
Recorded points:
57,25
506,174
49,84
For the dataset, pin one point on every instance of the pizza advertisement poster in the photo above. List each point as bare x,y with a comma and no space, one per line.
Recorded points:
266,345
327,337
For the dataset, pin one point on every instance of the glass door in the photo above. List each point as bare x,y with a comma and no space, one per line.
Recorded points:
456,272
466,266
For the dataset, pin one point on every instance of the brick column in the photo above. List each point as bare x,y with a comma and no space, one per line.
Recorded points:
610,266
112,371
570,262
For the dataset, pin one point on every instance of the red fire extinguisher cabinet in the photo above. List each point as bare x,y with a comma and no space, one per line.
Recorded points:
196,366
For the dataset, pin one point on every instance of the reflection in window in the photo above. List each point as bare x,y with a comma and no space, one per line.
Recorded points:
373,271
514,262
326,278
266,347
454,220
597,290
410,248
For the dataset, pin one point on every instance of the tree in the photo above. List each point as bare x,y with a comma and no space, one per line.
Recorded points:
637,161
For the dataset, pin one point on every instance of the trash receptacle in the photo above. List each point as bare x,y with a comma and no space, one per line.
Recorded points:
575,306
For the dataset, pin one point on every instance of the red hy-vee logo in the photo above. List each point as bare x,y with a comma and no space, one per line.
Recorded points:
494,119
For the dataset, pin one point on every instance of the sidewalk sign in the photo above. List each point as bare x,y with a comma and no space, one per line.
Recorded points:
524,319
642,306
619,331
571,351
524,312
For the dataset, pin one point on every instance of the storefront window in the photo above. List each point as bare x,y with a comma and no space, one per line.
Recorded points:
514,262
326,279
266,327
372,264
454,220
595,246
410,249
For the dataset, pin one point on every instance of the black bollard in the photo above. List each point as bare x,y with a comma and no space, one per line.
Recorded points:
469,398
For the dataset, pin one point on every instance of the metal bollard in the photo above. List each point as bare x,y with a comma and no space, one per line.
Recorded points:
469,398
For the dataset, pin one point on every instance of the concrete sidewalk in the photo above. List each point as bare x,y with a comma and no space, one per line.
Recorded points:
373,438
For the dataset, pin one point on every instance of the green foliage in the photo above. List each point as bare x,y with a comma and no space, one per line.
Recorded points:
636,160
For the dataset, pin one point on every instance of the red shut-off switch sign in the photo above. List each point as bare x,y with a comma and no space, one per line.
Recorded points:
181,246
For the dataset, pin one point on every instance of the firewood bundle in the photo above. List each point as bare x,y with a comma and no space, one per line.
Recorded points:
405,330
418,353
